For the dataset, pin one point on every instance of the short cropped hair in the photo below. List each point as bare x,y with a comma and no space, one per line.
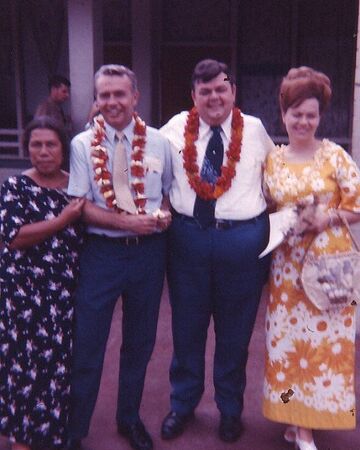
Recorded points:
207,69
57,81
302,83
47,123
117,70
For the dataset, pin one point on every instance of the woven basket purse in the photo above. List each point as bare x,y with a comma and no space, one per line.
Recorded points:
333,281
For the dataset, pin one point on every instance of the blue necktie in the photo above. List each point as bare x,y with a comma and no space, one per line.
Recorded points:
204,210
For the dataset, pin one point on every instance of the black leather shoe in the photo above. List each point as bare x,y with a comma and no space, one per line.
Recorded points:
174,424
137,435
230,428
73,444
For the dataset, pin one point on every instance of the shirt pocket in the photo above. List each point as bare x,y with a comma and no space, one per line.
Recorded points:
153,186
153,177
153,165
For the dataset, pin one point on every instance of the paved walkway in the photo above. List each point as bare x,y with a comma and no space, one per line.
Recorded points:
201,434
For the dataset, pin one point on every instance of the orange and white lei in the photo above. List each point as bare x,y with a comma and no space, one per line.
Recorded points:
103,177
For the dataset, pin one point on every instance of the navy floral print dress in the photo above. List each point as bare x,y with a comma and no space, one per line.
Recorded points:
36,317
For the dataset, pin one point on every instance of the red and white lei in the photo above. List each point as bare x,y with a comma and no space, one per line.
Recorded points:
103,177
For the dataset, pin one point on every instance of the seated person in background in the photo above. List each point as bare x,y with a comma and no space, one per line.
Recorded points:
59,92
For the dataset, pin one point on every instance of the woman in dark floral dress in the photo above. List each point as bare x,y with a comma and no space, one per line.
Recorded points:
39,226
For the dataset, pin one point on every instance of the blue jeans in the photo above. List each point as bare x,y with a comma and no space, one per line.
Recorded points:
109,269
214,273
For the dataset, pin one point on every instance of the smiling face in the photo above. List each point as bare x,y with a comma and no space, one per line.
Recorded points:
302,121
214,99
116,99
45,151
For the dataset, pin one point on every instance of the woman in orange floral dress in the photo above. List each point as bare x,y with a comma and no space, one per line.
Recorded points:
307,350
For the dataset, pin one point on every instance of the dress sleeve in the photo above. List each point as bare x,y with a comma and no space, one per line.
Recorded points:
12,210
348,179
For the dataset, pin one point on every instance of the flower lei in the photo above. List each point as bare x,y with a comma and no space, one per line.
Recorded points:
103,176
204,189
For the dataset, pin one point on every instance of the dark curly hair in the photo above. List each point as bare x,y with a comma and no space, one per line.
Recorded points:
207,69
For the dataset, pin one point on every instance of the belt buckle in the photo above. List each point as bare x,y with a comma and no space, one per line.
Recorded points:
132,240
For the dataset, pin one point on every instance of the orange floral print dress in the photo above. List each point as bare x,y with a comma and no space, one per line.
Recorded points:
309,351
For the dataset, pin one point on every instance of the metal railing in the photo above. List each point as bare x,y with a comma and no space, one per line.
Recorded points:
11,148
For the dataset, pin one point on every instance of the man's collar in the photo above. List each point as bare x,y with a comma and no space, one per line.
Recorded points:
204,127
128,131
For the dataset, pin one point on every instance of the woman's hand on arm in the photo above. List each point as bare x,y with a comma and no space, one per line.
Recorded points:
320,220
35,233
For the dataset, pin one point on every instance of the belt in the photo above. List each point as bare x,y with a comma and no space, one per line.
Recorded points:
124,240
218,224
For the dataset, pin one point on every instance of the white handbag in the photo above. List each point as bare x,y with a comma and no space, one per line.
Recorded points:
333,281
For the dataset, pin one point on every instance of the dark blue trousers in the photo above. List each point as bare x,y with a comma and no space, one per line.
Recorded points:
109,269
214,273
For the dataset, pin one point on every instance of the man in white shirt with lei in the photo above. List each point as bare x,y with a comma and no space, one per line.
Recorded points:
220,226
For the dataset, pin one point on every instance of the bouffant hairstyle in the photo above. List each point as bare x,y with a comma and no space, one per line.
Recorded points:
48,123
302,83
207,69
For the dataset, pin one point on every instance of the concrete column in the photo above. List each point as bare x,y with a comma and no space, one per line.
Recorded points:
142,54
98,41
85,55
356,117
356,137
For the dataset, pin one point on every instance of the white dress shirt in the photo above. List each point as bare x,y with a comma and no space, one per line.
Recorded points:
245,199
